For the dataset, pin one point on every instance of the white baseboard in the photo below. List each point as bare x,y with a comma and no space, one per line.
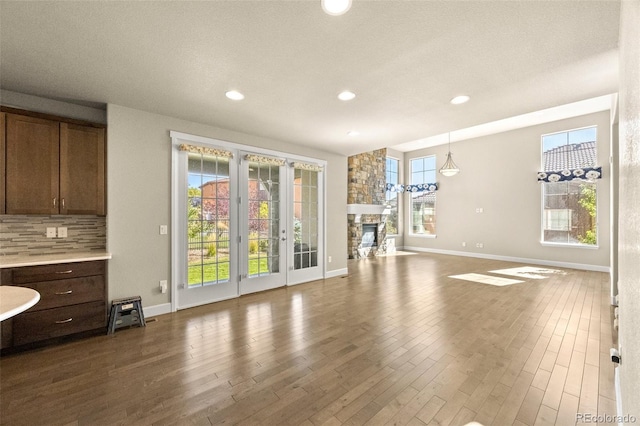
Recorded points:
616,381
569,265
336,273
152,311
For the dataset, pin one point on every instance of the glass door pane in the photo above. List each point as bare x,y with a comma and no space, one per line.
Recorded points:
208,220
208,227
306,245
263,233
305,219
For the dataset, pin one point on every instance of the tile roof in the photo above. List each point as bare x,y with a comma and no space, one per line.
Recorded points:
570,156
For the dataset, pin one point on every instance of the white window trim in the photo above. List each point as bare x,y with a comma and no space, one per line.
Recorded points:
409,201
178,214
570,245
398,203
567,245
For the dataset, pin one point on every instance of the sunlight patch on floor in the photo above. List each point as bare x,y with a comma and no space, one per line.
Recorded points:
397,253
532,272
486,279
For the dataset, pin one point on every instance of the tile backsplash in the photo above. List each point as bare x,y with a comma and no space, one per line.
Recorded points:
27,235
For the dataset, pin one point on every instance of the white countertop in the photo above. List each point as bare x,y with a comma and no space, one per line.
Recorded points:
14,300
51,259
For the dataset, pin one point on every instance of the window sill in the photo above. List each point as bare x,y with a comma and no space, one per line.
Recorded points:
422,235
568,245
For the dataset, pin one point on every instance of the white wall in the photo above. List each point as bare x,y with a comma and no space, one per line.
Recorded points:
498,174
139,198
629,209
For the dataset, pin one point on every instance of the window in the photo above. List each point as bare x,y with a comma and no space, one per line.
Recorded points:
569,207
423,204
392,196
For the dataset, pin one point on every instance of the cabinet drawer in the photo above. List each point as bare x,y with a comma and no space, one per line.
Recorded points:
34,326
61,271
54,294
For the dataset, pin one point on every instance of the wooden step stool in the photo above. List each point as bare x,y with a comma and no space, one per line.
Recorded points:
126,312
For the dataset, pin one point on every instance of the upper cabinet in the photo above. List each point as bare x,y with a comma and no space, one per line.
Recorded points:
53,167
33,151
81,170
2,161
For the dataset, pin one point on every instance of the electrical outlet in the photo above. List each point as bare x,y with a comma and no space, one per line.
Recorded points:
479,245
51,232
163,229
479,210
329,259
464,244
62,232
163,286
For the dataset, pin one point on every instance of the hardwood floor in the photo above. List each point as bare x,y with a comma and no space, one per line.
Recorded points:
396,342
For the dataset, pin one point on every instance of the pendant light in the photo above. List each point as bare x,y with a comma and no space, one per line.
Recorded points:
449,168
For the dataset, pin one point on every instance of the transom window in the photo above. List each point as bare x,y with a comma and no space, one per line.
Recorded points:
423,204
569,208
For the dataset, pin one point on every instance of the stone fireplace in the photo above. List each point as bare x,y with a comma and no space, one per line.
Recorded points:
366,233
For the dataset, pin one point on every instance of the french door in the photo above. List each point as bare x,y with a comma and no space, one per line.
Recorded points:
243,221
305,249
206,236
263,227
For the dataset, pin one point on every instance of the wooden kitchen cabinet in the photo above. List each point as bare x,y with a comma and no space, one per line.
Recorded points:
32,165
53,167
73,299
81,170
2,162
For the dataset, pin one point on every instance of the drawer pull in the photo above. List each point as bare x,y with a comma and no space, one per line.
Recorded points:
64,321
64,272
64,292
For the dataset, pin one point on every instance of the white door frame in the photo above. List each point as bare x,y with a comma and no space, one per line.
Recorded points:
178,215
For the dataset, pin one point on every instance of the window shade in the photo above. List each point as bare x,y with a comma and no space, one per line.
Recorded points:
307,166
206,151
265,160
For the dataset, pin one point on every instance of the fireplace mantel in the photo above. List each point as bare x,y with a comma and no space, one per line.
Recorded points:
366,209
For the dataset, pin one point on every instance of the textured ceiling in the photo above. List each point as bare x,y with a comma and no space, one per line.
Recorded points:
404,60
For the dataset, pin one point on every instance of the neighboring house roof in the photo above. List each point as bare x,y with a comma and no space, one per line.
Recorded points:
428,197
570,156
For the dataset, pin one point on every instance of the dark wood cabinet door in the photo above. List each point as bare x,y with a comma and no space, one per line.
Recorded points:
32,165
82,177
3,175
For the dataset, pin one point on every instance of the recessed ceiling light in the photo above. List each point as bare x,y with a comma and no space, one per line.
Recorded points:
353,133
234,95
335,7
346,95
459,99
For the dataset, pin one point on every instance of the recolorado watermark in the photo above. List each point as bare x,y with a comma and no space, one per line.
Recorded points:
604,418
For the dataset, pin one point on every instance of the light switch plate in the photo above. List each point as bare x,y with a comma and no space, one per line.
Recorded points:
62,232
163,229
51,232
